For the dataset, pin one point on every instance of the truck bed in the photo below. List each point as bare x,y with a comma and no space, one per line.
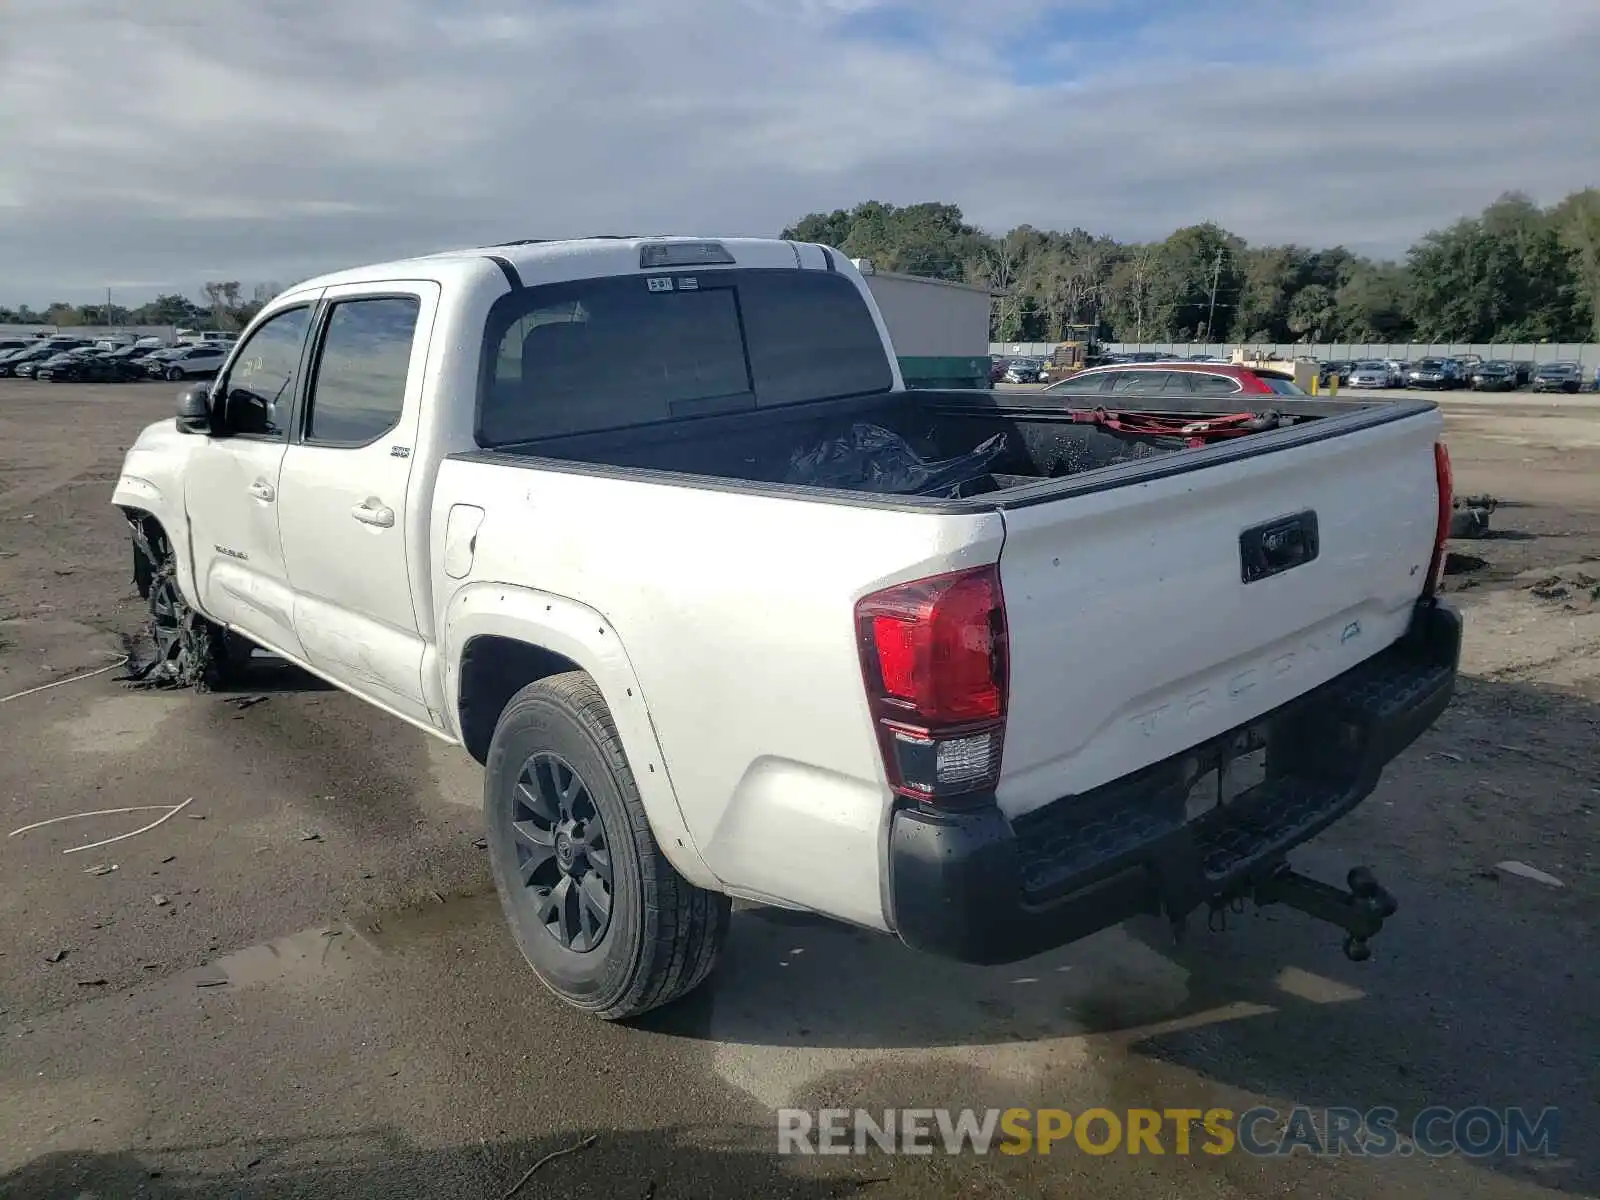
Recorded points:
1144,613
1040,440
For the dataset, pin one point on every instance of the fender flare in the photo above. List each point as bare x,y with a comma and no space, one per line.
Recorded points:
136,494
582,634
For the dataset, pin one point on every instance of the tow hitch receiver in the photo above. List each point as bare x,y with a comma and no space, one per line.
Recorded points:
1359,911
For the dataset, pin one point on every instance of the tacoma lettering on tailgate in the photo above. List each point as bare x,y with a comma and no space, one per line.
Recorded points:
1204,700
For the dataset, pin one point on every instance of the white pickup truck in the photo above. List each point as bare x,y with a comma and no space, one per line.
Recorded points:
651,527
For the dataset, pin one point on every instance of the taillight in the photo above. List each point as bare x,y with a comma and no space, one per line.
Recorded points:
1441,532
934,658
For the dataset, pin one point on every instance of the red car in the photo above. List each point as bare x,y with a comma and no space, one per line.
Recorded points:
1194,379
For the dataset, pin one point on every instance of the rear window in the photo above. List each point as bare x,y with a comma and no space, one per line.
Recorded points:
1149,382
1214,385
633,349
1282,386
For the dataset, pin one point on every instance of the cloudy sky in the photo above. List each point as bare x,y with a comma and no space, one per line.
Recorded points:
157,144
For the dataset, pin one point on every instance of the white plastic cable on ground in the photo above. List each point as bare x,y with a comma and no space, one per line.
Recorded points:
45,687
168,811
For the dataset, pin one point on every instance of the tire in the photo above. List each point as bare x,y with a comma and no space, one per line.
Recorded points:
660,937
190,651
175,374
144,572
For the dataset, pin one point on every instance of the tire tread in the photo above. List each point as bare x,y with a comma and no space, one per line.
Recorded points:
683,925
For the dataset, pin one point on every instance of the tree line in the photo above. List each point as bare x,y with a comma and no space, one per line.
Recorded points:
1514,273
223,305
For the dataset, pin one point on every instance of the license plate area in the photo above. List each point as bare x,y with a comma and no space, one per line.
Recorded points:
1226,773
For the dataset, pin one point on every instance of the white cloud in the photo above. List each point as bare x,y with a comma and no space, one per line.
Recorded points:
179,140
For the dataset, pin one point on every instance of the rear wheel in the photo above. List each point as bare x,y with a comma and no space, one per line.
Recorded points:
599,913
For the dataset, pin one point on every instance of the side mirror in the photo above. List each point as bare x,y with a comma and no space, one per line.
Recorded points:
194,409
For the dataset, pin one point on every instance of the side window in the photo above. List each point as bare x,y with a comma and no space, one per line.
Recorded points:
259,387
1078,385
1214,385
358,387
1142,382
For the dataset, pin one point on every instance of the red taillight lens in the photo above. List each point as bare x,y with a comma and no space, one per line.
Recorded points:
934,658
1441,534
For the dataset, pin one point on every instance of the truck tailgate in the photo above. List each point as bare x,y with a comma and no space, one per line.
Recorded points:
1134,632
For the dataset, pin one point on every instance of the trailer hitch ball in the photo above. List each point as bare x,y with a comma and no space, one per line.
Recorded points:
1357,949
1359,909
1365,887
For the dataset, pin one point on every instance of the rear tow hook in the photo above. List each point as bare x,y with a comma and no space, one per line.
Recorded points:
1360,911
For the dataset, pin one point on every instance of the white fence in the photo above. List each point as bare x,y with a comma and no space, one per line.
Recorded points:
1588,353
165,332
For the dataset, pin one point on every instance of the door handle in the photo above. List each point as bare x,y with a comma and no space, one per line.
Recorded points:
373,512
262,490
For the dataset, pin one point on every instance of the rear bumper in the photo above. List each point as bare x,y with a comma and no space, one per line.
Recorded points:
971,885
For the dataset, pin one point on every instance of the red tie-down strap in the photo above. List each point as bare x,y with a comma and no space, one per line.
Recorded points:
1197,432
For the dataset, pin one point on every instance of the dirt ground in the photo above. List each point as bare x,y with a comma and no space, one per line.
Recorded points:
301,987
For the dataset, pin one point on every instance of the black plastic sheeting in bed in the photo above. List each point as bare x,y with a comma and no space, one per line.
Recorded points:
904,443
870,458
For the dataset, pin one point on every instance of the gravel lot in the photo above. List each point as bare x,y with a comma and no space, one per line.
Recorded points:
299,985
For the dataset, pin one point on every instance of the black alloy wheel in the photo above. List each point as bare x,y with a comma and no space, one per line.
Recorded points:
596,908
563,854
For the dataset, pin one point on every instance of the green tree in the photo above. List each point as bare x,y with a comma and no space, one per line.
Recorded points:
1135,292
1199,281
169,310
827,229
1500,276
919,239
1270,276
1577,223
1370,306
1312,312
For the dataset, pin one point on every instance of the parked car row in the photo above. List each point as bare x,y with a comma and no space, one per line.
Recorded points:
1039,370
64,359
1465,371
1428,374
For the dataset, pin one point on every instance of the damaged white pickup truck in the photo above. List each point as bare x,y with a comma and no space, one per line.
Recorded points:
651,527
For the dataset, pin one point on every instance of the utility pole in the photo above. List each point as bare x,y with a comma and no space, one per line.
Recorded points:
1211,309
108,309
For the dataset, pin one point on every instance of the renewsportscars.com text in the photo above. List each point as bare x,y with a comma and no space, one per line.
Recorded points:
1479,1132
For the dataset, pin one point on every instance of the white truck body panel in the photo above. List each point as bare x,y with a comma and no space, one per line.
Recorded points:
351,528
1129,603
772,758
718,621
